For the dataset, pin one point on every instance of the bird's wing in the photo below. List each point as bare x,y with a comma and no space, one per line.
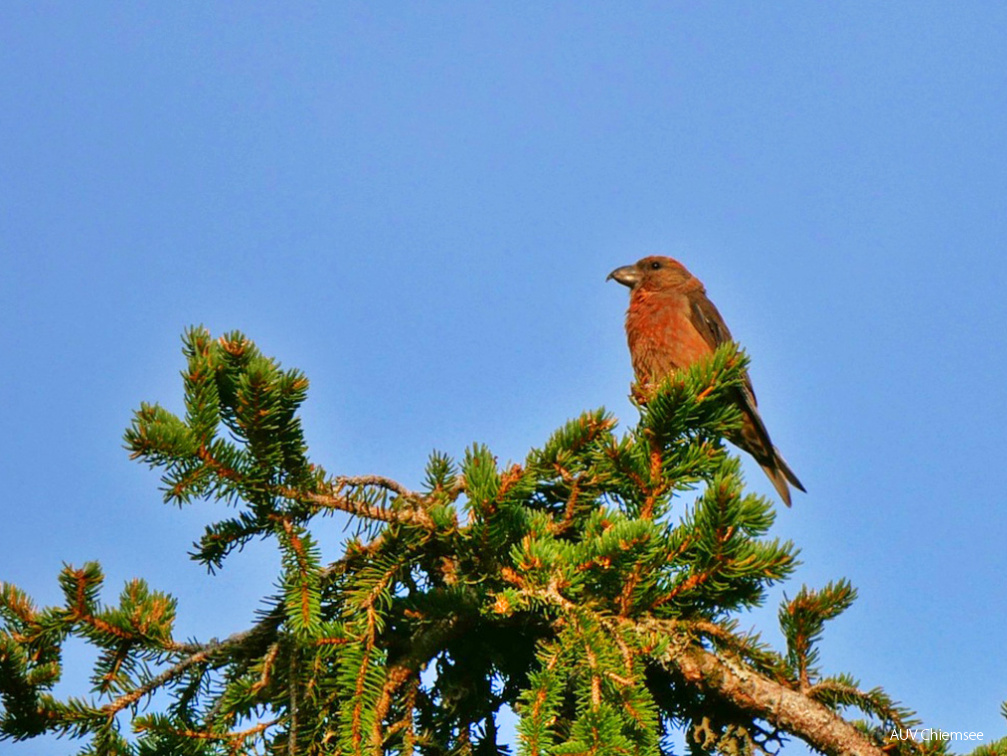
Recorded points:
710,325
706,319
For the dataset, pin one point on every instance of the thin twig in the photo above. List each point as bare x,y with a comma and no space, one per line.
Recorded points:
199,654
378,481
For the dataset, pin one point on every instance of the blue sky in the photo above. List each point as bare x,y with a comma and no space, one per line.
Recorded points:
417,204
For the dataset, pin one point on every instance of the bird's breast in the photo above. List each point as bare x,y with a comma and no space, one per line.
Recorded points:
662,337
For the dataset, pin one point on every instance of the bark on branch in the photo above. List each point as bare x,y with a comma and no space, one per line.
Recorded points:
767,699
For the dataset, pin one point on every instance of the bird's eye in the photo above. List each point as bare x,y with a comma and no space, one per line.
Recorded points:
655,265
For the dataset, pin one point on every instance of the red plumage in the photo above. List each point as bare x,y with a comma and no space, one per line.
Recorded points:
670,325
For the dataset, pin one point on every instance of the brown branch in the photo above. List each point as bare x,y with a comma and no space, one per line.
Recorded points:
694,580
378,481
626,594
346,503
130,698
755,694
267,666
405,670
656,463
406,722
507,481
571,506
198,654
229,736
397,676
611,451
218,467
120,656
457,488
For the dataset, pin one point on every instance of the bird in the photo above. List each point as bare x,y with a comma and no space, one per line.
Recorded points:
670,325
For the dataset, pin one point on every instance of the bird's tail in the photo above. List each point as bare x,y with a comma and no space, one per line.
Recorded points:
779,473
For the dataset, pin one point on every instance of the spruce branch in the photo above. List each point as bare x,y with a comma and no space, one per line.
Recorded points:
767,699
196,654
358,502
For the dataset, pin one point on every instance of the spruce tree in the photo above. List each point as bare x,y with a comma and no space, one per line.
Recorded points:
590,588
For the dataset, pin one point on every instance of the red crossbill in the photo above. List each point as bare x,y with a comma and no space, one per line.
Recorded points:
671,324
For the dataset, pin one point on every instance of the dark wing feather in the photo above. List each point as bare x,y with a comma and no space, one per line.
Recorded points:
707,321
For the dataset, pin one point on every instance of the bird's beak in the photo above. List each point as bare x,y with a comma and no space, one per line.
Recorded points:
627,275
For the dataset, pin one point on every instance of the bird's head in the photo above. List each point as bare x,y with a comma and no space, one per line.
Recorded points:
654,273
